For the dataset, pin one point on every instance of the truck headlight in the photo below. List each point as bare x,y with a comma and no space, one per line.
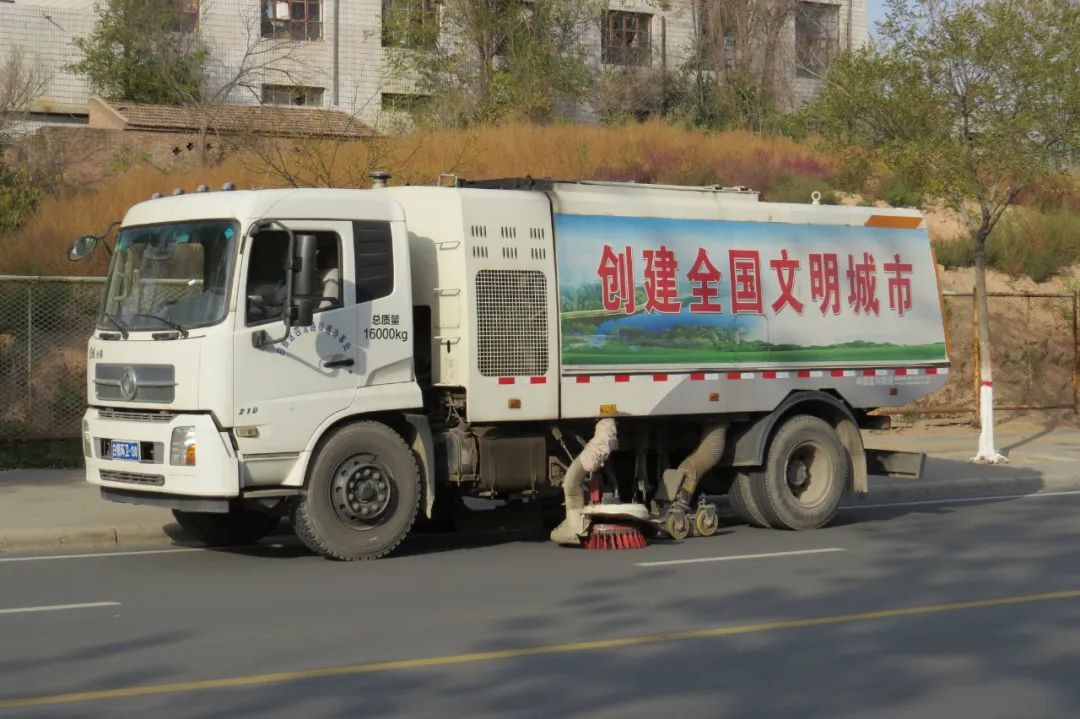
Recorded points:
87,451
182,447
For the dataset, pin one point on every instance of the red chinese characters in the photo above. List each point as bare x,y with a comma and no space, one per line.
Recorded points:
661,281
899,285
661,288
862,282
745,281
704,280
616,273
785,275
825,282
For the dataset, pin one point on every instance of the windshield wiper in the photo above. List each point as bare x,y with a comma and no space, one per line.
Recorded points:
117,324
175,325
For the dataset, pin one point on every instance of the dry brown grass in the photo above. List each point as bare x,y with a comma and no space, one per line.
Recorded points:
651,152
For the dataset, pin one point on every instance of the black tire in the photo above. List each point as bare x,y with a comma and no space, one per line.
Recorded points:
363,494
237,528
807,471
741,498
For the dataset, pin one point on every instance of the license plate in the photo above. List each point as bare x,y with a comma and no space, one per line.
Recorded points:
124,450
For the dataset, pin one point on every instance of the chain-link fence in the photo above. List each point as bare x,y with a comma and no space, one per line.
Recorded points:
45,323
1034,354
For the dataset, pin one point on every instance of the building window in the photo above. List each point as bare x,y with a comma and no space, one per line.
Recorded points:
292,19
817,38
625,39
292,95
410,23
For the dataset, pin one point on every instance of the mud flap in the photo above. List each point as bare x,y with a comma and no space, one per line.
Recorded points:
423,445
850,437
902,465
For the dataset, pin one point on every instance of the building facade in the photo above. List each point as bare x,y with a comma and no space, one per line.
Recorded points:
336,50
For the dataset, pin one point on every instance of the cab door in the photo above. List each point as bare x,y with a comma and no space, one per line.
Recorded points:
286,388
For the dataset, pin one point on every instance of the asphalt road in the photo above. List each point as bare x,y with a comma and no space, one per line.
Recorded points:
933,610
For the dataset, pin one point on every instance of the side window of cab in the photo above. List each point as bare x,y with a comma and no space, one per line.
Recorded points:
266,277
374,251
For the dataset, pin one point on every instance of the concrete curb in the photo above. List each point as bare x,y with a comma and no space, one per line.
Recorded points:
87,537
902,490
881,492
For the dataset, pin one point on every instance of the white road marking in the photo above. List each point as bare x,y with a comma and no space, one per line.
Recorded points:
732,558
58,607
46,557
961,500
94,555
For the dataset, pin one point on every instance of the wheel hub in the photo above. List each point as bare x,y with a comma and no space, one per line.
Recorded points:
807,475
362,490
798,475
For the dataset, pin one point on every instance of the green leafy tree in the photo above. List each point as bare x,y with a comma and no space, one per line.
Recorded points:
970,102
141,51
490,60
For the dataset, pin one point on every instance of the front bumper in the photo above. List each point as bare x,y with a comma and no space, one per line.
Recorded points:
215,474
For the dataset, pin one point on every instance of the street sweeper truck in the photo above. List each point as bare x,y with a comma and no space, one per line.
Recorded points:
355,359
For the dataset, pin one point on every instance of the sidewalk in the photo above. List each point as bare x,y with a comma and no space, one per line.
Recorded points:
57,509
1043,457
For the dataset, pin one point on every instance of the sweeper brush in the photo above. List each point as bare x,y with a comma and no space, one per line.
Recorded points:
614,536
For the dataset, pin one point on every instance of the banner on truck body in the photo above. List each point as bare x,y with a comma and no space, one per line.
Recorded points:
643,291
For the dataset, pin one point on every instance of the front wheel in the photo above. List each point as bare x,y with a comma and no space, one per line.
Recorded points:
807,471
362,495
238,527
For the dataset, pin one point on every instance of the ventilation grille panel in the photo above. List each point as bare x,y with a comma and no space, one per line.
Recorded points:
157,417
152,480
511,321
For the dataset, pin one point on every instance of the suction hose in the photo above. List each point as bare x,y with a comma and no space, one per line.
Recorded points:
592,458
708,452
690,471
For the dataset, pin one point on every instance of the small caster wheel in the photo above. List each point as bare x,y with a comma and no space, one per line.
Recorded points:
677,524
706,522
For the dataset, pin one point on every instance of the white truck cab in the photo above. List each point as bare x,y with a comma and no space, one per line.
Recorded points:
343,357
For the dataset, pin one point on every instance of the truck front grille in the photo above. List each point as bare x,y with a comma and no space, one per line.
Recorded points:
146,382
156,417
152,480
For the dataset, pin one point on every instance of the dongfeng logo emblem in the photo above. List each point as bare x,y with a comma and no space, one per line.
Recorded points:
129,384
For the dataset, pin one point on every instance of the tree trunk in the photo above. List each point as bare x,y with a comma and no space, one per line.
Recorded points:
987,452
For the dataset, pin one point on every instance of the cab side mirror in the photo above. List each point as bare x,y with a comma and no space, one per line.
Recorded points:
82,248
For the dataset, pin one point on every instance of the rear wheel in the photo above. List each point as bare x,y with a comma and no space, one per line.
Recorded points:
238,527
362,496
806,473
741,498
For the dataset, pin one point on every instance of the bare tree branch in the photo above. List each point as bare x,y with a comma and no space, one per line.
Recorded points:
21,82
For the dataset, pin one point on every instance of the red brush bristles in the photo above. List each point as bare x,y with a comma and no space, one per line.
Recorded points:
615,536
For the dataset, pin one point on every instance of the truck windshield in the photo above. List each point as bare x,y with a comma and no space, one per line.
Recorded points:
170,276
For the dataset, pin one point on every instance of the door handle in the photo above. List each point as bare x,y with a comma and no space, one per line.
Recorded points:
333,364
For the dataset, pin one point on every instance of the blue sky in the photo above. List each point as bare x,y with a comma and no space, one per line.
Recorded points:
877,12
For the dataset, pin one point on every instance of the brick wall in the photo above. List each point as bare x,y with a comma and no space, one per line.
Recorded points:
86,155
